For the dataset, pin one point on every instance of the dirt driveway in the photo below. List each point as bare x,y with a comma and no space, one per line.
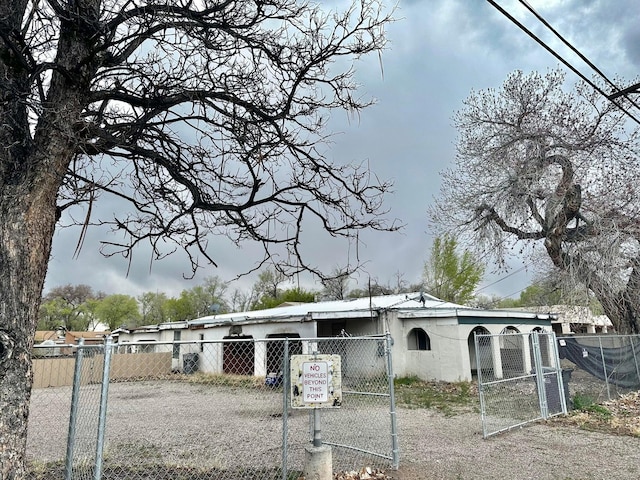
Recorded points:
434,446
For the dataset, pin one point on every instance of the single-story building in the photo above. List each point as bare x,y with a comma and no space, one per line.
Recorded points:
57,341
574,319
432,339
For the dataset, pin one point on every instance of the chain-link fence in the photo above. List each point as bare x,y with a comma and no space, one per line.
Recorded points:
600,367
520,379
65,415
207,410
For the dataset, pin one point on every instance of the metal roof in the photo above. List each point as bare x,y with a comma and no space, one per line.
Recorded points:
408,305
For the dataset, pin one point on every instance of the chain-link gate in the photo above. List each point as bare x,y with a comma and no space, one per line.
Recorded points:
214,410
520,379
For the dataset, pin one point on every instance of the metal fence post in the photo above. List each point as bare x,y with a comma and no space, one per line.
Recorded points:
542,391
286,385
483,412
559,377
635,357
395,453
102,420
604,369
73,415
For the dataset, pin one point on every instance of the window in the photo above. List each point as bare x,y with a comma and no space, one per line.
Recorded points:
509,330
419,340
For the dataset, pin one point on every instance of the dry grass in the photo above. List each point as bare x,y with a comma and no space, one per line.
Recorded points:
617,417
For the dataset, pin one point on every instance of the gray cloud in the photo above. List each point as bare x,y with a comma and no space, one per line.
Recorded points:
439,51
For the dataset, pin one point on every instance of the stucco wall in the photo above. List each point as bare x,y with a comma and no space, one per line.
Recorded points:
452,355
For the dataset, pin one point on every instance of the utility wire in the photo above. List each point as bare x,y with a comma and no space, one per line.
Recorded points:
562,60
618,92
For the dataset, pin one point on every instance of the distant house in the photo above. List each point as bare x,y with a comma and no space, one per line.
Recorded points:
432,339
570,319
56,341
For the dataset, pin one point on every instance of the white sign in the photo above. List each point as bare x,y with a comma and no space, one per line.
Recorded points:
316,381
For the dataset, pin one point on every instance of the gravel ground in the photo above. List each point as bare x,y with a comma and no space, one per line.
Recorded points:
146,424
437,447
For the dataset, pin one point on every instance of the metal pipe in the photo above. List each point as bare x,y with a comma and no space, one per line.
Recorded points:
395,450
102,419
635,357
73,415
542,391
286,385
559,378
317,434
604,368
483,414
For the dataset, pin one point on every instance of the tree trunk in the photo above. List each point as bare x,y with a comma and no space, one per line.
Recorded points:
622,308
26,231
33,162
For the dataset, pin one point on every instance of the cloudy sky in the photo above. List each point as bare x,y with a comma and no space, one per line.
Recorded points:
439,51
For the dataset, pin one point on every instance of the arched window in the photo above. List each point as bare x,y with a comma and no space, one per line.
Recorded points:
509,330
418,340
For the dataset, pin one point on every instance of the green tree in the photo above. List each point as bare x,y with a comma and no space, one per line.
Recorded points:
200,118
208,298
554,290
451,276
118,310
538,294
289,295
179,309
153,308
268,284
57,313
68,306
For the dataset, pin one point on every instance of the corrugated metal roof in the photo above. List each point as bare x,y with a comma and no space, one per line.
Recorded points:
363,305
409,305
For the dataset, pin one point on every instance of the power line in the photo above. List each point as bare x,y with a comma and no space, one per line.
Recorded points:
583,57
504,278
562,60
625,91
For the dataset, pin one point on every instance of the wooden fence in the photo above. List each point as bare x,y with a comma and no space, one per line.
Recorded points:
58,371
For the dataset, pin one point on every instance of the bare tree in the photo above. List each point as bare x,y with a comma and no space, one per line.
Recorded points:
336,287
556,169
205,118
268,283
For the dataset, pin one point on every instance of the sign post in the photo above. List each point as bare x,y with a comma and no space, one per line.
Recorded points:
316,383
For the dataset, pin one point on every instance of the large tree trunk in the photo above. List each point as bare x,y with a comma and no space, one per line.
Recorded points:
26,229
33,162
29,183
622,307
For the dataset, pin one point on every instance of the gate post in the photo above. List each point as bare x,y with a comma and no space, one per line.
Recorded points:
538,369
73,415
102,420
526,354
392,405
496,357
286,385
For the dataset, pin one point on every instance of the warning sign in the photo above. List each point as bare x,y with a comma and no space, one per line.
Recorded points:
315,381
